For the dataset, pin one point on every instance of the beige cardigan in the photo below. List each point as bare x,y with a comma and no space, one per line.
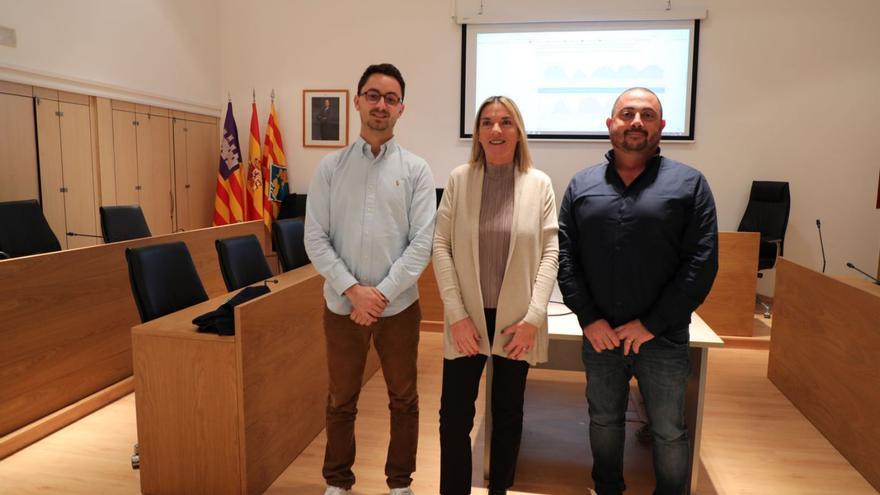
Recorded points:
532,261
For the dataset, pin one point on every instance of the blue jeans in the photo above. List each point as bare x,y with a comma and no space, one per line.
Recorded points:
661,367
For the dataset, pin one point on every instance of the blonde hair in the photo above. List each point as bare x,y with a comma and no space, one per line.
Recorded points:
522,158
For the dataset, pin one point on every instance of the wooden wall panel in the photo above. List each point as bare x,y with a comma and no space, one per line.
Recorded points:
179,135
51,170
125,157
106,160
154,171
730,306
203,155
18,148
66,319
823,357
80,207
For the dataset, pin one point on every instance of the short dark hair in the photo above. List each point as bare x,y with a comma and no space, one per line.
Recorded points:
386,69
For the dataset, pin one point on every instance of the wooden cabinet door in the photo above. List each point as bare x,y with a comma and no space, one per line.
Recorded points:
203,155
181,178
51,179
154,171
78,173
18,149
125,155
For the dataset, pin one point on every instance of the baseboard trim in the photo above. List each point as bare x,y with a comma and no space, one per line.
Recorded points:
41,428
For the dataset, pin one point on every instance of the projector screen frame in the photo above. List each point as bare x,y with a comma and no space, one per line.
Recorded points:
464,123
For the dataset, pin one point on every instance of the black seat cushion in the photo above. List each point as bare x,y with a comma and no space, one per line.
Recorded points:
24,230
122,223
163,279
289,240
241,261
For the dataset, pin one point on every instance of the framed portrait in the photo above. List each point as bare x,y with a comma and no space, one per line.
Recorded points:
325,118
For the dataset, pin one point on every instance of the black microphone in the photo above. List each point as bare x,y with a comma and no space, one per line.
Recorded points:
875,279
819,228
269,281
77,234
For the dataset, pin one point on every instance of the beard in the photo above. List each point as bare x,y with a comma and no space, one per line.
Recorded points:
646,143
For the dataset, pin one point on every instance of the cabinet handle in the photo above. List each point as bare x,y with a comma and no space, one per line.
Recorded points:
187,186
138,188
59,113
63,189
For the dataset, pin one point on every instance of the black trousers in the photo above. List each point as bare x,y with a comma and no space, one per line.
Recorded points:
461,382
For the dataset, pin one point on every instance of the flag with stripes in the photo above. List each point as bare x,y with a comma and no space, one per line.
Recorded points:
229,198
274,169
255,184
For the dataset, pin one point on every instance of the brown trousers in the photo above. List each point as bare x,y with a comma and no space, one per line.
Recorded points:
397,342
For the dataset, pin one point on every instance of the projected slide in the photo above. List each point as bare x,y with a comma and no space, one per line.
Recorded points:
565,82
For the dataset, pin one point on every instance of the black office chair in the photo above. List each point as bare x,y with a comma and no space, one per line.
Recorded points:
241,261
439,192
121,223
163,279
767,213
288,235
293,206
24,230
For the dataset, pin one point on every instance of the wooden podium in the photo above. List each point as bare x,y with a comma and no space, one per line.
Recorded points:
228,414
824,352
730,305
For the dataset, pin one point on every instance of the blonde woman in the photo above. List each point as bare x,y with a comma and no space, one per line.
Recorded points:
495,257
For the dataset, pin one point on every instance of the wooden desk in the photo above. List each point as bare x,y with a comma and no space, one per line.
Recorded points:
228,414
824,351
566,341
730,306
65,321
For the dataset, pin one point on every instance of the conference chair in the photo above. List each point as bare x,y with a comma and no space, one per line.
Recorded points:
439,192
163,279
289,241
241,261
293,206
124,222
767,213
24,230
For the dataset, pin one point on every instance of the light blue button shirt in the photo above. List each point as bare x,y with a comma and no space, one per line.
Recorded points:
370,220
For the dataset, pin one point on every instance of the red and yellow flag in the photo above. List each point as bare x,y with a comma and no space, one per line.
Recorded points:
274,169
229,197
255,178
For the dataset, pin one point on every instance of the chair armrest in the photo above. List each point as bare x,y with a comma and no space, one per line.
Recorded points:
4,256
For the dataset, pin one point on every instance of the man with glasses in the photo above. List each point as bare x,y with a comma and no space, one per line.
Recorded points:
638,252
368,231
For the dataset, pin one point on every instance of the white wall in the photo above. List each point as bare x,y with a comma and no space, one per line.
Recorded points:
158,51
787,91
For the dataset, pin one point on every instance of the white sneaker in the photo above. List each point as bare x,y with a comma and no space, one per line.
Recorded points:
402,491
335,490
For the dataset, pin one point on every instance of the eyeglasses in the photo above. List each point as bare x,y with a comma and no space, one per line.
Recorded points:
372,96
